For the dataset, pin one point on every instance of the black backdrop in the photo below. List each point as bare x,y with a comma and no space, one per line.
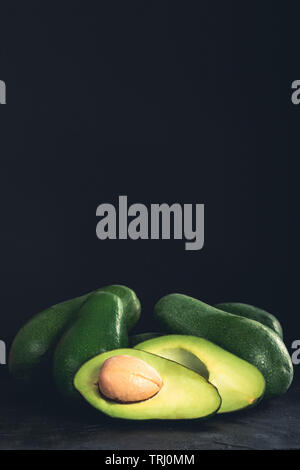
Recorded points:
163,102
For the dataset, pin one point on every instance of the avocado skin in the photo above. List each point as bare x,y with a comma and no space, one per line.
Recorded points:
32,349
141,337
253,313
131,303
100,327
247,339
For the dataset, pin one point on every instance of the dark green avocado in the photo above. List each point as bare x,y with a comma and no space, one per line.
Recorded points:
32,349
245,338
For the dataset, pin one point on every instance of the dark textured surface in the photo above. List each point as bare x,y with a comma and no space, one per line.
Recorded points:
48,424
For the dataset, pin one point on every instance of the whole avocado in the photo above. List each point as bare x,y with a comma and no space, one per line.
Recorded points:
248,339
32,349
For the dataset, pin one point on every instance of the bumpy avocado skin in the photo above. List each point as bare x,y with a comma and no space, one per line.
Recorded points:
239,383
101,326
253,313
248,339
184,394
32,349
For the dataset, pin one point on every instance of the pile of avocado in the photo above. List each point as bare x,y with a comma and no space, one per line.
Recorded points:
206,359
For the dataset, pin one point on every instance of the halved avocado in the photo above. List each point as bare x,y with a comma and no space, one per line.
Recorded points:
184,394
239,383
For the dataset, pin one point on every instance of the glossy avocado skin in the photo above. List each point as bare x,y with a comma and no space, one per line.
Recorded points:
253,313
32,350
247,339
184,394
239,383
101,326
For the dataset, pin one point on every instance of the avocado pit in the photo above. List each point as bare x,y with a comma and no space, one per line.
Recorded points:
127,379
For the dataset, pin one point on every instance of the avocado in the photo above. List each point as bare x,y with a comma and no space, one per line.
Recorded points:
101,326
140,337
245,338
32,349
184,393
253,313
239,384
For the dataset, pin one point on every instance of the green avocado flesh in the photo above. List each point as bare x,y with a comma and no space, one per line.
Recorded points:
239,383
184,394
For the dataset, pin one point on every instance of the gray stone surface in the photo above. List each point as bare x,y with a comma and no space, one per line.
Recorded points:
45,423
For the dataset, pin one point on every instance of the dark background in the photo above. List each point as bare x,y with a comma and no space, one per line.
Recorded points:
162,102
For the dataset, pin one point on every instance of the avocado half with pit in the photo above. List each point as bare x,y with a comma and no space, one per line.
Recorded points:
134,384
239,383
